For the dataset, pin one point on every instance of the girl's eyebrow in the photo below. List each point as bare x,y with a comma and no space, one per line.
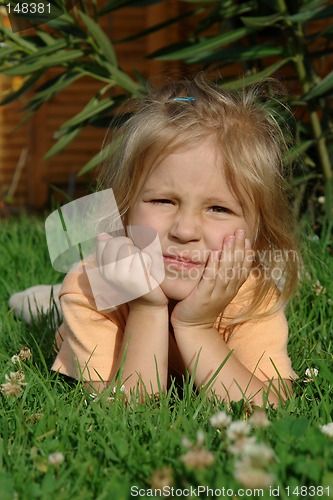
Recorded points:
159,190
223,201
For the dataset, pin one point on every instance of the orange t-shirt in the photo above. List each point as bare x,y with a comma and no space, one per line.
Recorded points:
89,341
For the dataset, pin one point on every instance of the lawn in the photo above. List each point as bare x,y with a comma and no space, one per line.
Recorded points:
58,442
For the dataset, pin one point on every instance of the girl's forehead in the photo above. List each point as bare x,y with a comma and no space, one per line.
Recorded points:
201,160
202,166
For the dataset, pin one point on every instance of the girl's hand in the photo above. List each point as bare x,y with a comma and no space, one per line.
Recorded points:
128,270
224,274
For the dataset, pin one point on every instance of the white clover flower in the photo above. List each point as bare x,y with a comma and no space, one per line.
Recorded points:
198,458
19,376
122,389
257,454
238,429
318,288
161,478
220,420
56,458
313,237
200,438
237,447
24,353
12,388
259,419
186,442
327,430
310,374
14,383
15,359
252,477
321,200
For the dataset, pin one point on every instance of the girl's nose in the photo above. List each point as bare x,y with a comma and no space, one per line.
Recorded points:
186,227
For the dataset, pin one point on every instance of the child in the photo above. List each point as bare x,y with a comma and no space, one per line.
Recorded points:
202,167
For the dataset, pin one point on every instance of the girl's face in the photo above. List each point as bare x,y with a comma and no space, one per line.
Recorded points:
186,199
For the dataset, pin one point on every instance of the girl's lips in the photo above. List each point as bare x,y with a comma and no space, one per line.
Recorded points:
180,263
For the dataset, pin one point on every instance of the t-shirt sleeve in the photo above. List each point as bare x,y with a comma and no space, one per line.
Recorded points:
89,342
261,346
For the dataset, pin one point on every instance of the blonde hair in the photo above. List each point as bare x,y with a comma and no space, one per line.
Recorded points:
251,146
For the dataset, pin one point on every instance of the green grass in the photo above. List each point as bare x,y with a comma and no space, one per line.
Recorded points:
109,447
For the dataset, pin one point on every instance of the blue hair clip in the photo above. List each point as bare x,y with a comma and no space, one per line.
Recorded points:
184,98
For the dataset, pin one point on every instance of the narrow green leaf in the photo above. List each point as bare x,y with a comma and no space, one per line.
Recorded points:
310,14
117,4
24,120
20,69
296,181
62,143
57,46
91,109
6,53
325,85
103,42
61,57
199,1
125,81
257,77
18,40
46,38
66,24
26,85
159,26
233,54
311,4
94,69
262,21
58,59
33,104
326,33
298,150
168,53
237,10
56,84
96,160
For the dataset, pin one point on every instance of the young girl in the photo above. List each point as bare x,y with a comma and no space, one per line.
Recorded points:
203,168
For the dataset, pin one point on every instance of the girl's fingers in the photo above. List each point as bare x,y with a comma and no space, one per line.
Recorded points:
226,270
236,260
125,250
142,263
248,258
239,253
108,248
212,267
102,240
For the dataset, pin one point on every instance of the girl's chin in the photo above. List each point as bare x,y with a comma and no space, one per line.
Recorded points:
177,289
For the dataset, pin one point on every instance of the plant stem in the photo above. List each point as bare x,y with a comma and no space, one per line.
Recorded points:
307,81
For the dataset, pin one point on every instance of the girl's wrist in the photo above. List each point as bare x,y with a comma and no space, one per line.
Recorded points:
179,326
147,308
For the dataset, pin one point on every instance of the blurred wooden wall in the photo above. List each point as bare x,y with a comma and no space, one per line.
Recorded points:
25,177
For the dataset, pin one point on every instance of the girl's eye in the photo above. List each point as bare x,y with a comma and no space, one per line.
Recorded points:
220,210
161,201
